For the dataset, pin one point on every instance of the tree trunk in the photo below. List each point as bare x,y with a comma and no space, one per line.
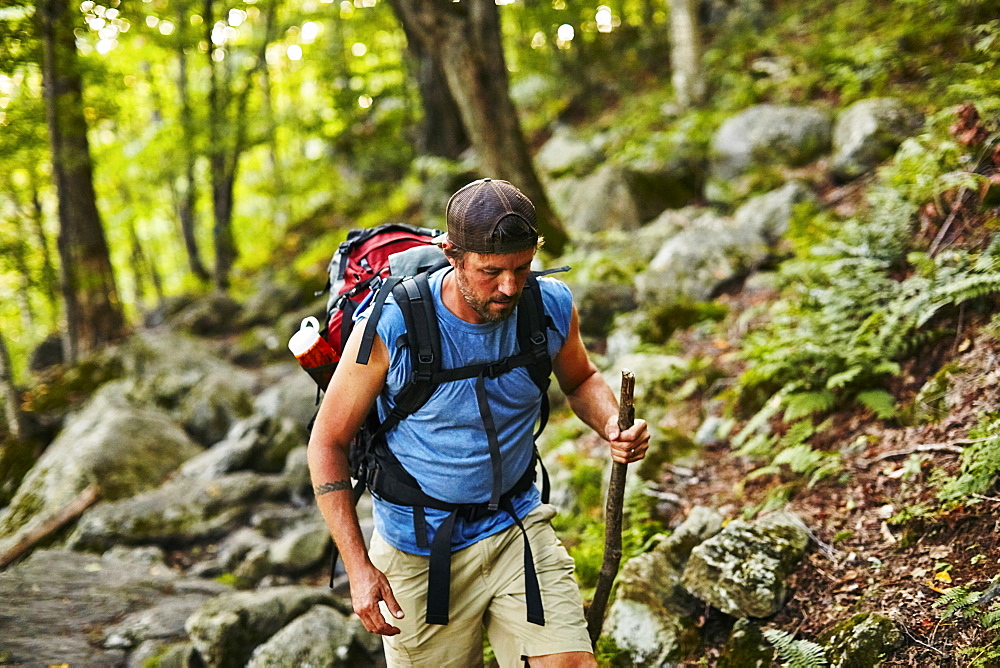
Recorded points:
465,38
93,310
442,132
8,392
222,233
50,277
227,141
685,53
186,193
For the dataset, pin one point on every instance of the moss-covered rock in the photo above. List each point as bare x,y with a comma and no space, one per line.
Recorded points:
180,512
321,637
119,447
227,629
743,570
746,647
652,618
863,641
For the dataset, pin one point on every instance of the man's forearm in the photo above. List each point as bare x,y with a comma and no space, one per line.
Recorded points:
594,402
335,498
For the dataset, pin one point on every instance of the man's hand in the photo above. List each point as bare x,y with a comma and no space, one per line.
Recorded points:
630,445
368,588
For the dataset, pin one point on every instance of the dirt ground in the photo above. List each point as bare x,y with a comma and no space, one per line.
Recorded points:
863,558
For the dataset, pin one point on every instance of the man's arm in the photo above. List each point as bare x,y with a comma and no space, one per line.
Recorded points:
345,406
593,401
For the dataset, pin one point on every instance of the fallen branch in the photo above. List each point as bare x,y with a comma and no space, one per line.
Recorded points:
951,446
70,512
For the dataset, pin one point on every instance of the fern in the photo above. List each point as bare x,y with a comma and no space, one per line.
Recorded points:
803,404
957,601
882,403
980,461
796,653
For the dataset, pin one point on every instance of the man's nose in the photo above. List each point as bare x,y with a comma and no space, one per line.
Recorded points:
508,284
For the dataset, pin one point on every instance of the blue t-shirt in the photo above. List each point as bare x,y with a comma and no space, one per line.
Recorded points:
443,445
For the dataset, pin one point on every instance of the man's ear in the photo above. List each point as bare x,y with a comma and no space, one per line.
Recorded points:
447,246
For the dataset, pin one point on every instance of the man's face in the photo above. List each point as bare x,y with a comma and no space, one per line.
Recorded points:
492,284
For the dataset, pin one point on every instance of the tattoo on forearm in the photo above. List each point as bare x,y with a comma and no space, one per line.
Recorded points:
328,487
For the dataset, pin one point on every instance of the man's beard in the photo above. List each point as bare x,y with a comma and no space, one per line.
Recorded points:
482,306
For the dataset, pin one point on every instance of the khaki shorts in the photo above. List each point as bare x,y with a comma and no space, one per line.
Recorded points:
487,591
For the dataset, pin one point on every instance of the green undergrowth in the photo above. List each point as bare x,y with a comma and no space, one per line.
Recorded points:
862,295
583,530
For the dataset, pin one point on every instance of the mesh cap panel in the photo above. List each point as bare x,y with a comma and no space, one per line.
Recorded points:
475,211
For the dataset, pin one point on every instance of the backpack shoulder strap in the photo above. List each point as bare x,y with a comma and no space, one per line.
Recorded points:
413,296
368,340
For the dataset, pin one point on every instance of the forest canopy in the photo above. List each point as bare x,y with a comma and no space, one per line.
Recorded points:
225,135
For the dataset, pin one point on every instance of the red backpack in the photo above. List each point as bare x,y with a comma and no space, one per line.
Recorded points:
362,264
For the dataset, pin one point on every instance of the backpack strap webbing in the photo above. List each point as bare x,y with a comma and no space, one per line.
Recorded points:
388,480
368,340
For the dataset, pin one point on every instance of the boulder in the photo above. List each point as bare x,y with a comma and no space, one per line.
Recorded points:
301,548
868,132
181,512
211,315
701,524
183,376
292,397
163,622
601,201
215,403
120,448
164,655
568,153
863,641
58,603
651,618
664,171
228,628
598,304
258,443
769,134
47,354
712,251
652,372
322,636
743,570
271,301
693,263
768,216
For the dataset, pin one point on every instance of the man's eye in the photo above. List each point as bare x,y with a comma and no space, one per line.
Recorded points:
491,272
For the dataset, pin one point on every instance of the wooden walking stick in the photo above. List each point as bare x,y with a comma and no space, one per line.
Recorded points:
612,517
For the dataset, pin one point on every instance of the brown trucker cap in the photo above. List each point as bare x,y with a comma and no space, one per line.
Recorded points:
474,212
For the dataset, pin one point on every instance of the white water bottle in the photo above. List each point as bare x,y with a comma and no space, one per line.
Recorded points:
313,352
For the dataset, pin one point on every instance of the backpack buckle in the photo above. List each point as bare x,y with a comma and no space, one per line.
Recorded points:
425,358
497,368
538,338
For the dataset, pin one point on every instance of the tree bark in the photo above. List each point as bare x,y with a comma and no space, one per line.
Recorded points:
50,277
685,53
465,38
93,311
227,141
186,194
11,397
442,132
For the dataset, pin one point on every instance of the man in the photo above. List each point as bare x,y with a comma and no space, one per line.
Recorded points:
471,447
